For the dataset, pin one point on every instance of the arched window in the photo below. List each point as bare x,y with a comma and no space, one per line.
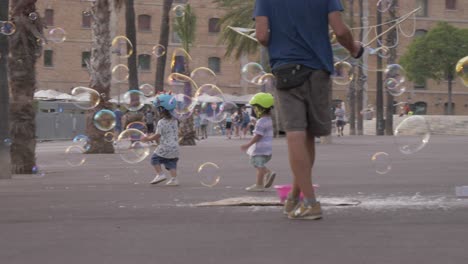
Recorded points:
144,23
144,62
214,63
213,25
420,33
49,17
420,108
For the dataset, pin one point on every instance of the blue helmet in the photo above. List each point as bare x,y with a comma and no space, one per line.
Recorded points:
165,101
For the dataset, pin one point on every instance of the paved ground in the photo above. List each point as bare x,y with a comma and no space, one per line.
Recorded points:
105,212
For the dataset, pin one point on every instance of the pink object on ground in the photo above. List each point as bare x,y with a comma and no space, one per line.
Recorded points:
283,191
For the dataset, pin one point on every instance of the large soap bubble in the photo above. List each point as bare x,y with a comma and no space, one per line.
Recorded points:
412,134
85,98
130,148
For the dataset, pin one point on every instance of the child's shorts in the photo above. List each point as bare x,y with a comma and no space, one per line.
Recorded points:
259,161
170,164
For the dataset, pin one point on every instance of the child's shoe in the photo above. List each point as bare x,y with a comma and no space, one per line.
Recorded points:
269,178
255,188
307,212
158,179
173,182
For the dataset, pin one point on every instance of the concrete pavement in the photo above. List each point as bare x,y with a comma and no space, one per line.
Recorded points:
105,212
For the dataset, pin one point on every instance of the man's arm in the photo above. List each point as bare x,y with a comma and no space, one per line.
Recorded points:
343,34
262,30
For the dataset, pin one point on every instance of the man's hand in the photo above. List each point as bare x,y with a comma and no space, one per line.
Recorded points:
358,50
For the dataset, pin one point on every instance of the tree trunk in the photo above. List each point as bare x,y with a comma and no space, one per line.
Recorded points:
391,38
5,167
361,78
352,86
450,100
379,124
100,73
164,41
22,73
130,30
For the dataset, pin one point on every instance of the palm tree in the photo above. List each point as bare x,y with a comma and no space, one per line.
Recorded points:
100,69
163,41
24,52
4,97
185,27
130,31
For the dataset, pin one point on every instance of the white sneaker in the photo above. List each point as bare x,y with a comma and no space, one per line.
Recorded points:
255,188
158,179
173,182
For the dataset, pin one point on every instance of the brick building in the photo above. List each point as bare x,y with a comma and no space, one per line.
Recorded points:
429,97
63,66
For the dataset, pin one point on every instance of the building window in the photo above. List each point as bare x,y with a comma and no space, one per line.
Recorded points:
180,1
86,20
213,25
144,62
420,85
85,58
214,63
48,58
49,17
420,33
450,4
420,108
144,23
423,11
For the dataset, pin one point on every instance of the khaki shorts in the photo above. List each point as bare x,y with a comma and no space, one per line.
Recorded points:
307,107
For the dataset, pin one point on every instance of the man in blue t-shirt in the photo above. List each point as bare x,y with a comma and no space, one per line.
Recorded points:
296,33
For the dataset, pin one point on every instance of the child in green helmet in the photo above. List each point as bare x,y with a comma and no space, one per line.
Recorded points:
260,146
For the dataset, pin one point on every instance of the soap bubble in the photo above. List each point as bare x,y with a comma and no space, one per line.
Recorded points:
381,162
394,87
57,35
210,97
462,70
208,174
203,75
130,148
343,73
226,109
75,156
7,142
104,120
412,134
184,106
178,10
85,98
120,73
122,47
7,28
33,16
109,136
133,100
396,72
384,5
82,141
159,51
138,125
147,89
37,172
251,72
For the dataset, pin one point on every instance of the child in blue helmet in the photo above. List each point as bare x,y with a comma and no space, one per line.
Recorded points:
166,134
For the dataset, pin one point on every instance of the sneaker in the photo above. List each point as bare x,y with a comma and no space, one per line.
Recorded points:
269,178
173,182
313,212
158,179
255,188
290,204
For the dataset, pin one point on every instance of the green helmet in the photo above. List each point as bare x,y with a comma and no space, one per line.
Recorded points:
264,100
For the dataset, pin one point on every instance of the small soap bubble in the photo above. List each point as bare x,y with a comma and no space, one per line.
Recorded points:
133,100
178,10
33,16
343,73
57,35
7,142
251,72
159,51
122,47
147,89
381,162
120,73
7,28
104,120
208,174
109,136
75,155
85,98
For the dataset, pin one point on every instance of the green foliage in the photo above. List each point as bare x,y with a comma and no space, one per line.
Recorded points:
185,26
434,55
239,14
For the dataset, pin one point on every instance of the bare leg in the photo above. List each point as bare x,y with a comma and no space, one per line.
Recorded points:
158,169
261,172
301,158
173,173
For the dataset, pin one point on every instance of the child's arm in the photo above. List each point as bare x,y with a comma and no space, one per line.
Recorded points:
254,140
153,137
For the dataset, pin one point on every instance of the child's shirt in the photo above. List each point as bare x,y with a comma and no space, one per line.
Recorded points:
168,143
264,128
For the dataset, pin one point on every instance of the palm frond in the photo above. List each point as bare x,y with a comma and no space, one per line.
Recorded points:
185,26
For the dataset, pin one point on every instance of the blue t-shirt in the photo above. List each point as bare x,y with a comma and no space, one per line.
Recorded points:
299,31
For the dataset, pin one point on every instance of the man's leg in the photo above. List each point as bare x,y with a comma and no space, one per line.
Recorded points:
301,158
